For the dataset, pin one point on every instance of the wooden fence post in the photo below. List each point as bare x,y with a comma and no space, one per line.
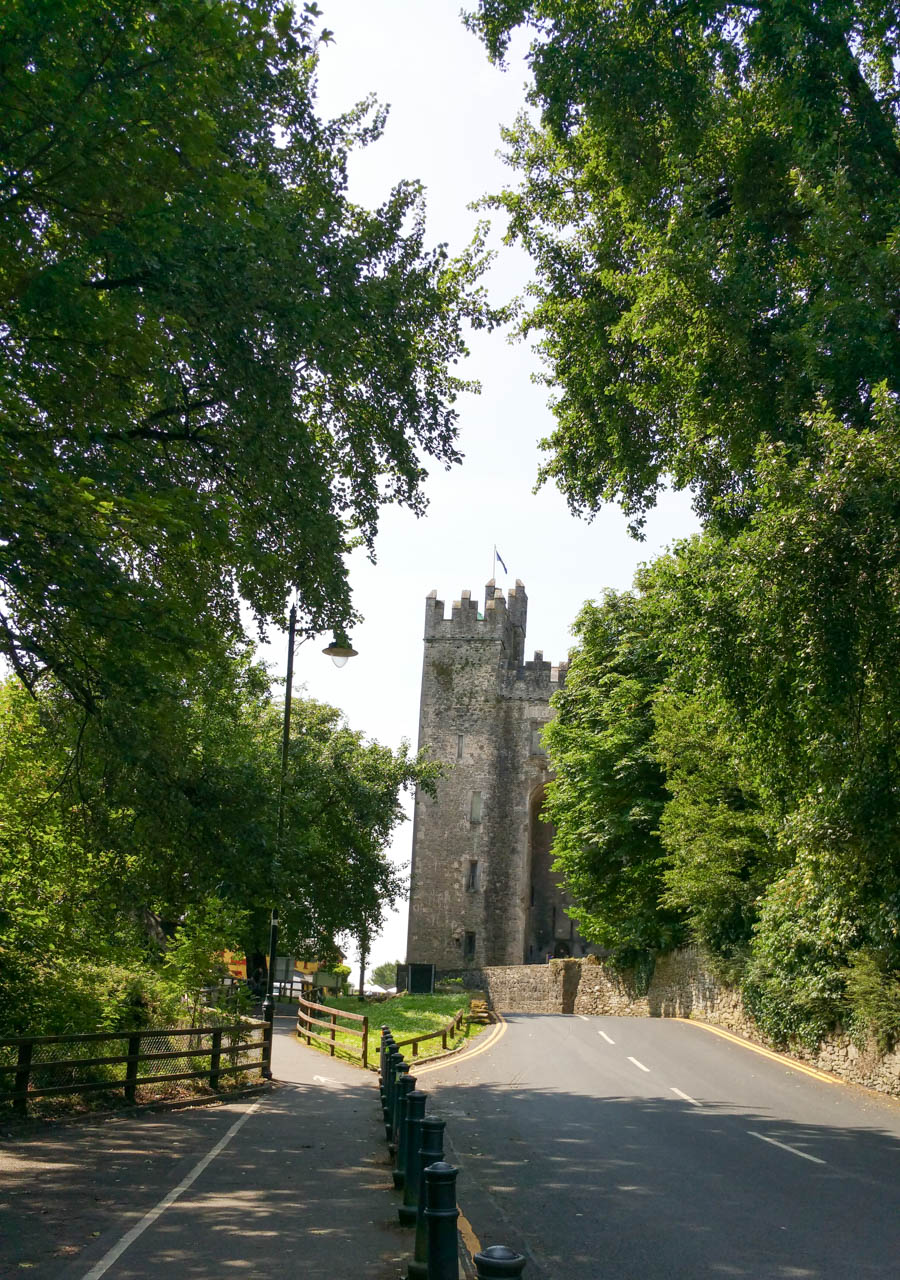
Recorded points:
131,1069
215,1058
365,1042
23,1071
333,1017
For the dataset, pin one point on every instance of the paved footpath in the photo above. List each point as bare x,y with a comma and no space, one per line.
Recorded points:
293,1183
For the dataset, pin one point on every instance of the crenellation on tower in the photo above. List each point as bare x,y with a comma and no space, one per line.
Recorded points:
481,887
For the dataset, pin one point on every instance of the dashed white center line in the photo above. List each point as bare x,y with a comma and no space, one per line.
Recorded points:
605,1037
639,1064
582,1017
687,1097
784,1147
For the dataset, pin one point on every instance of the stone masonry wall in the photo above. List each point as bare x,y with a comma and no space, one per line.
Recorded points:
680,987
521,988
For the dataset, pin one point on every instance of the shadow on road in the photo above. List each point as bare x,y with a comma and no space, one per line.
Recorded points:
625,1188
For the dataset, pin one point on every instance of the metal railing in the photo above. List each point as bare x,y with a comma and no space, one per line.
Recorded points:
50,1066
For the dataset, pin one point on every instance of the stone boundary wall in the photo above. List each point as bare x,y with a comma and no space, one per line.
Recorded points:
520,988
680,988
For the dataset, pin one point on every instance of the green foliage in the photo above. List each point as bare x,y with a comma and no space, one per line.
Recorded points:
385,975
193,957
127,840
713,828
216,368
874,998
608,791
794,981
709,193
768,715
67,995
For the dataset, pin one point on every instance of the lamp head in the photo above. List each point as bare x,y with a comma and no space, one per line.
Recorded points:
340,650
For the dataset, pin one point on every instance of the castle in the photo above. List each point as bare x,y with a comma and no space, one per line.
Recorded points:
482,892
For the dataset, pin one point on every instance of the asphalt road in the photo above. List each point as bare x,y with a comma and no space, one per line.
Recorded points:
649,1149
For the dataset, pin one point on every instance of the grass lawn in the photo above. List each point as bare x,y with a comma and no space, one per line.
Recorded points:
405,1015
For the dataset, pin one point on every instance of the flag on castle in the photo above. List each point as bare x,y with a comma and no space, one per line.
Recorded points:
497,556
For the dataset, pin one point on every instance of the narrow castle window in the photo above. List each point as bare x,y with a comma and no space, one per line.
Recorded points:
537,748
472,876
470,946
475,807
459,746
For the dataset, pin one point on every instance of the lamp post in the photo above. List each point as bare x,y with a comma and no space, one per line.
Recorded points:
269,1002
339,651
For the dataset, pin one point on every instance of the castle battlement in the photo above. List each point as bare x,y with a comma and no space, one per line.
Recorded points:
503,621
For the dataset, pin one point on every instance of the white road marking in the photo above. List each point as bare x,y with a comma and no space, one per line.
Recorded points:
605,1037
100,1268
328,1080
687,1097
639,1064
582,1017
784,1147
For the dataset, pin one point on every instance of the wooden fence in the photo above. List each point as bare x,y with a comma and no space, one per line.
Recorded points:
38,1071
305,1021
452,1026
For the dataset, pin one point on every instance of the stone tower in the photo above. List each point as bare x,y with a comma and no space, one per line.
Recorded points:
482,892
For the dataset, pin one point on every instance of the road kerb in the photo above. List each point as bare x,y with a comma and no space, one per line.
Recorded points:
463,1055
765,1053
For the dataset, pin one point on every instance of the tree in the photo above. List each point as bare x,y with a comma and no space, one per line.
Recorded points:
710,197
125,835
790,628
342,804
385,975
608,791
216,368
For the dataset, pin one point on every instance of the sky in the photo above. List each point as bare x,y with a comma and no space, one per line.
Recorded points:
447,107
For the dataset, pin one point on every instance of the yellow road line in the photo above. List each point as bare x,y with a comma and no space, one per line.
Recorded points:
474,1052
470,1240
765,1053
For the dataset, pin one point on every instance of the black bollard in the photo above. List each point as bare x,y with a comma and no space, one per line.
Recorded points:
498,1261
431,1137
386,1045
405,1085
415,1112
382,1050
386,1088
441,1214
401,1069
395,1057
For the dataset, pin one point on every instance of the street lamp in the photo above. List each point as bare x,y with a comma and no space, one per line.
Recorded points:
340,650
